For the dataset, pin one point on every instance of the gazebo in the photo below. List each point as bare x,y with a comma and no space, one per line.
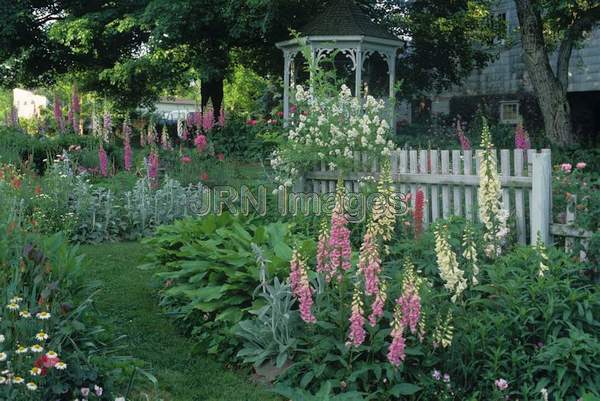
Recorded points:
342,26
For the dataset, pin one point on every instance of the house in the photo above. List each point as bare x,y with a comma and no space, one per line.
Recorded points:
28,103
504,91
173,109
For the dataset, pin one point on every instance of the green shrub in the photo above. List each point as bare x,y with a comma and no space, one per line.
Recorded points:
213,272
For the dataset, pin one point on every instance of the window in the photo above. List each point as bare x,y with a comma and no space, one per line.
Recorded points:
509,113
499,23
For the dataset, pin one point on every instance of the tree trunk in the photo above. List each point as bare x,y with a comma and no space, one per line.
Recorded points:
550,91
212,90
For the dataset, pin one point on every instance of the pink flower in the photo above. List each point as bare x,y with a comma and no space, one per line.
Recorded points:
103,159
323,250
280,114
357,320
465,144
339,243
566,167
222,117
153,162
58,116
251,122
186,159
501,384
521,138
378,305
410,304
436,374
396,350
418,213
446,378
127,155
107,122
581,165
201,143
85,391
300,286
98,390
208,120
369,263
204,176
220,156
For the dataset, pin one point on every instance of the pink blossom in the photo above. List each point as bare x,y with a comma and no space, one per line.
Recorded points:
208,120
153,163
410,304
98,390
127,152
300,286
198,119
186,159
369,263
465,144
107,122
357,332
204,176
339,243
521,138
185,133
378,305
251,122
323,251
396,350
103,159
220,157
85,391
201,143
566,167
222,117
436,374
501,384
58,115
581,165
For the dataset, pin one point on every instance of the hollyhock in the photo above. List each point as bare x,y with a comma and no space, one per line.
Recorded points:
58,116
357,333
300,286
103,159
418,213
396,352
581,165
566,167
201,143
521,138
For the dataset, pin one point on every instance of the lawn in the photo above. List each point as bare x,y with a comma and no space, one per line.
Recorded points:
128,299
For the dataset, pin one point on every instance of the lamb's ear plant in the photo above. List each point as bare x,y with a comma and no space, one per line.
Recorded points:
270,335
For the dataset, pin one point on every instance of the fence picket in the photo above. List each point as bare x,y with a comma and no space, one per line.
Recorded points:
456,190
445,188
423,169
519,199
505,170
468,164
435,207
413,170
403,167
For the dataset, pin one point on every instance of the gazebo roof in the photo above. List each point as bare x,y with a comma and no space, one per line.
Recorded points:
345,18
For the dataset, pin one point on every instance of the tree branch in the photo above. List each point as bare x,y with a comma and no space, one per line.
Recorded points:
583,22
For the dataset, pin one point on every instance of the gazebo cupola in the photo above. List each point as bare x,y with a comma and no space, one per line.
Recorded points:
344,27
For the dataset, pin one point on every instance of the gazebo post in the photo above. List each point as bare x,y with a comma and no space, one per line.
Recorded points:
287,56
391,59
358,67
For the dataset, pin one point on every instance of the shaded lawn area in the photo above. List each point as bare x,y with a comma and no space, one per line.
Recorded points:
129,301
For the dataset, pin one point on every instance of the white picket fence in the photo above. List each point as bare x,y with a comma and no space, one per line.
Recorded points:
449,180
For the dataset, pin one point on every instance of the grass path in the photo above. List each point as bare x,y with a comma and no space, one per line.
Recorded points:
128,299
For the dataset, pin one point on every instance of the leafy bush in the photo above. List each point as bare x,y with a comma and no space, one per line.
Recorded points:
213,271
533,331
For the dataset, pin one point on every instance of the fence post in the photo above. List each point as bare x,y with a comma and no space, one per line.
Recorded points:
541,196
299,185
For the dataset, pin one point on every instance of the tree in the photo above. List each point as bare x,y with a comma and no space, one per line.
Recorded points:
546,26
